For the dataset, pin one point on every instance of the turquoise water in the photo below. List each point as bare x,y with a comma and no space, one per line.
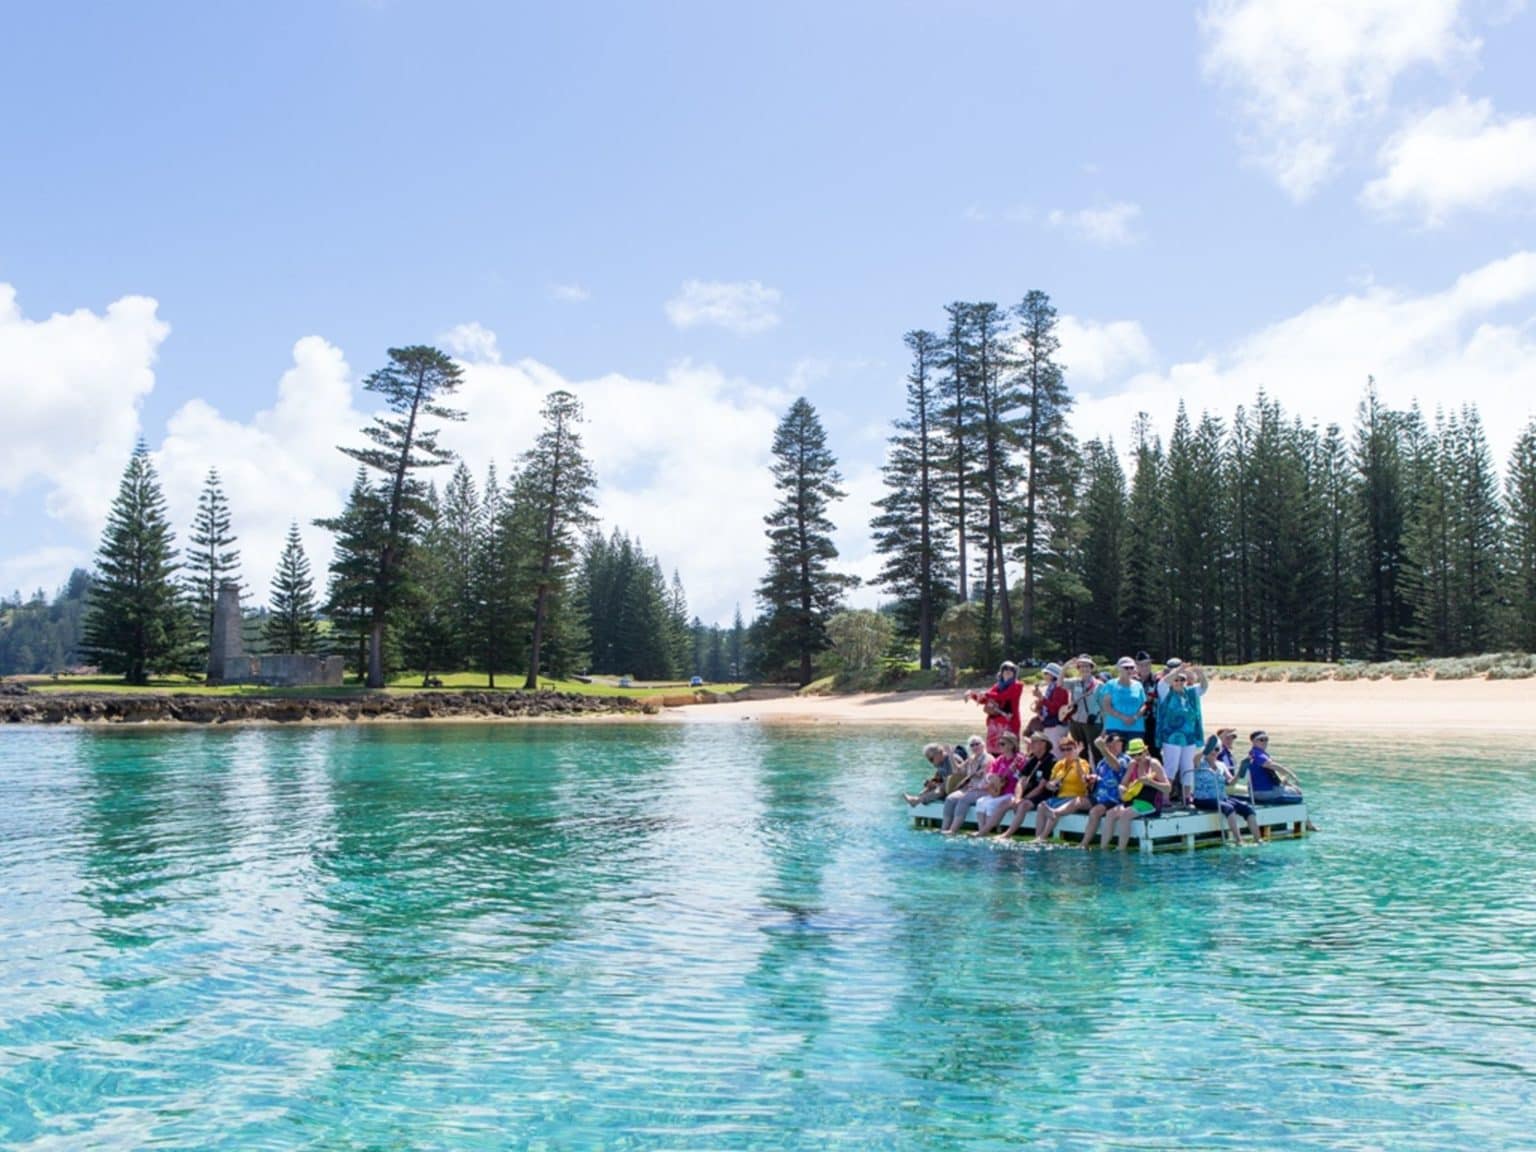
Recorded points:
719,937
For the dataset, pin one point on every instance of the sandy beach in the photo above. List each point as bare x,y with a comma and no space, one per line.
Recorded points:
1415,708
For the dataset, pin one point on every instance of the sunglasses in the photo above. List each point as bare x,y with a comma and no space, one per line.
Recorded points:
1262,740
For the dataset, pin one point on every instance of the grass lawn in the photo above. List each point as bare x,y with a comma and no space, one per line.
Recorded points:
475,681
404,684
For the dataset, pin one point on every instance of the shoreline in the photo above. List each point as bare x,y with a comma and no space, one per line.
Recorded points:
1415,709
155,709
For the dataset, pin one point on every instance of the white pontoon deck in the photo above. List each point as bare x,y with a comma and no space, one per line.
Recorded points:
1180,829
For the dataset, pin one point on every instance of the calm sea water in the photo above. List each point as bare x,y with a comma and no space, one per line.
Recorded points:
720,937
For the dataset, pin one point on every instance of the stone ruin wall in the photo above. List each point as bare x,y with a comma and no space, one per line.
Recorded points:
228,663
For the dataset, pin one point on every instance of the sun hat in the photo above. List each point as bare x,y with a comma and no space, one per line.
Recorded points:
1039,737
1126,662
1085,659
1053,670
1008,664
1136,747
1065,740
1143,658
1173,662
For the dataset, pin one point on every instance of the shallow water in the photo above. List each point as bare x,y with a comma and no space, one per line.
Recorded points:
721,937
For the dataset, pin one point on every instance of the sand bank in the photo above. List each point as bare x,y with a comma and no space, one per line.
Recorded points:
1415,708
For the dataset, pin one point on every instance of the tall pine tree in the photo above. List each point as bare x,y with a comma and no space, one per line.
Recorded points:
136,619
211,560
414,386
1046,444
556,488
290,625
918,568
359,532
1520,515
800,592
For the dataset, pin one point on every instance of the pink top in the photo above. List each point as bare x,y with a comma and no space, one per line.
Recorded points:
1008,767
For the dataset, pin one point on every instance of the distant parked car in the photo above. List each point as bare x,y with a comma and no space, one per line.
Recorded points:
696,682
626,682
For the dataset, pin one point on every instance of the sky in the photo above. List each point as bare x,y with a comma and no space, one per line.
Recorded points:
215,219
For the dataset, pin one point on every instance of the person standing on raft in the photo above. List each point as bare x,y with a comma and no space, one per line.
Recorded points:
1001,703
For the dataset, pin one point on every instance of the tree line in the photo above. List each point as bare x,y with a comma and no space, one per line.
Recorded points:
1260,537
495,575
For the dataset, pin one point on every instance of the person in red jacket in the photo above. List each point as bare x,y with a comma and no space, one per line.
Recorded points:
1001,703
1053,705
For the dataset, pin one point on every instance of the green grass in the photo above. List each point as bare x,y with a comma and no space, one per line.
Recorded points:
172,684
404,684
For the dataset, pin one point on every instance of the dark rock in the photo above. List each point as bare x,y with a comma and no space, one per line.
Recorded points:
186,708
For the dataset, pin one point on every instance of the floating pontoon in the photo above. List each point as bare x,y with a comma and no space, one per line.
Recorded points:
1181,829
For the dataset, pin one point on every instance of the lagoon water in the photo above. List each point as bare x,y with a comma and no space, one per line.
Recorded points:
698,936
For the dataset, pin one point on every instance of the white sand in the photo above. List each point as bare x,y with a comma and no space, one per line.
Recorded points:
1415,708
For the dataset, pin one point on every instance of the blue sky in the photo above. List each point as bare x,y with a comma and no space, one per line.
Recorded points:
216,218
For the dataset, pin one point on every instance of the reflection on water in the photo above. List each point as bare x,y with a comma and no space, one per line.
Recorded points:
719,937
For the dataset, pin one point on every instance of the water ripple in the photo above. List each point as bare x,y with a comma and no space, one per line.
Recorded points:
727,938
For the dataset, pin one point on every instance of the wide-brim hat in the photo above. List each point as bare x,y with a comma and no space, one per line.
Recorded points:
1052,670
1136,747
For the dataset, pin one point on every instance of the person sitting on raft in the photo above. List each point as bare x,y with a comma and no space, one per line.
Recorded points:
1031,788
1211,778
944,762
1001,703
1001,786
1228,737
1067,788
966,787
1142,793
1269,781
1104,783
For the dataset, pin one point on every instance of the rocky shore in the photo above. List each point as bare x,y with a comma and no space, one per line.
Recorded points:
185,708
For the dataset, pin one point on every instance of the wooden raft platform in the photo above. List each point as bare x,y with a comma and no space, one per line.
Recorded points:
1179,829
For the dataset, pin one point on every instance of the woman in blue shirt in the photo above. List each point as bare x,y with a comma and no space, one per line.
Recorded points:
1180,725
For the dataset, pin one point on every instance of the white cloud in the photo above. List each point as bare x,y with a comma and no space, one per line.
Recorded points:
744,307
72,385
282,465
682,462
1455,158
1310,73
46,568
1474,342
1109,226
472,341
1093,352
570,293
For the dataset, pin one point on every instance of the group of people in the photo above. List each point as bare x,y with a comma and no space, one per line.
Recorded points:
1116,747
